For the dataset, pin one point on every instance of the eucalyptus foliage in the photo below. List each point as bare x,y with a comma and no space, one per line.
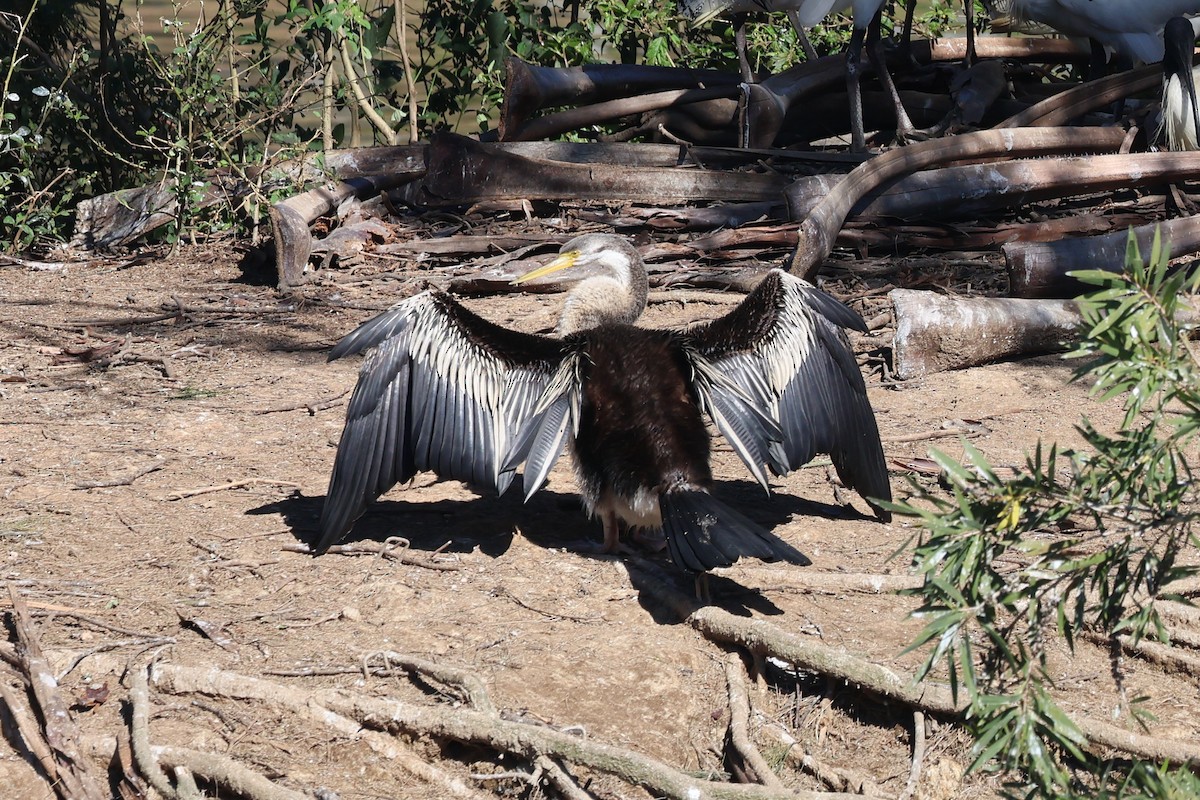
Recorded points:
1084,540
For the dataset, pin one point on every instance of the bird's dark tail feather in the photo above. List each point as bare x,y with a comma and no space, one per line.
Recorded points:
703,533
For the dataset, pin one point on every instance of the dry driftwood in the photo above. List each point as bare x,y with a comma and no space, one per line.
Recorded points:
819,229
1039,269
529,88
968,191
1029,50
936,332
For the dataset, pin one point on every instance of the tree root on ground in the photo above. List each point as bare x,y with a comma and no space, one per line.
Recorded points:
764,639
465,725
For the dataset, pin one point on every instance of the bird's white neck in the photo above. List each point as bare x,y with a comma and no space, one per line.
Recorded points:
616,298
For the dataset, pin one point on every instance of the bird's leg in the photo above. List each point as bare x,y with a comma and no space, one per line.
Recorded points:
646,539
612,531
810,52
702,589
1098,62
858,137
910,8
905,130
969,17
739,41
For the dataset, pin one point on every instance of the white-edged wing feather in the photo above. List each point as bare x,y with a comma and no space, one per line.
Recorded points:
785,349
442,390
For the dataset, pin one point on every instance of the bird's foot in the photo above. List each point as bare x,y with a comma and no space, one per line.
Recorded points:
653,541
910,135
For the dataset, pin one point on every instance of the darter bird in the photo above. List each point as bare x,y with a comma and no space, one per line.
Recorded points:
445,390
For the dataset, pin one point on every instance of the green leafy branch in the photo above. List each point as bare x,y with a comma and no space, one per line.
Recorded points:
1079,541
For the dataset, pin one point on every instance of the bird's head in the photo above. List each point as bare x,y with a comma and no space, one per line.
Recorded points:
612,283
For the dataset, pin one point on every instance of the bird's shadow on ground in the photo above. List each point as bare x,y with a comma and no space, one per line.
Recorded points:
555,520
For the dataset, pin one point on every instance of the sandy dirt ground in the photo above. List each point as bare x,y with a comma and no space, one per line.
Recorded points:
167,431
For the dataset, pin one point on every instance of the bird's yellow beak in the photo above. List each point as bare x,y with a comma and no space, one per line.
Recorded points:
562,261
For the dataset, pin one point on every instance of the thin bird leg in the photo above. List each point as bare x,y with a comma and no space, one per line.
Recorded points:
910,8
905,130
739,41
858,137
969,17
612,532
810,52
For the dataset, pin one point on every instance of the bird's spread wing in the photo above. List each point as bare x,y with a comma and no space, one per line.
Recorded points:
783,347
443,390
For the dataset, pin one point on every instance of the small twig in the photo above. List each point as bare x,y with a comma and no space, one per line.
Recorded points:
125,480
185,493
501,591
108,626
918,756
140,643
833,778
378,549
312,406
739,719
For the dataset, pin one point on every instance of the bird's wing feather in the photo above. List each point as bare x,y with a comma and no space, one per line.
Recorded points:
442,389
784,347
543,434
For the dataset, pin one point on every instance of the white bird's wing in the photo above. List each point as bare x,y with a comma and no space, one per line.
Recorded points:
784,348
443,390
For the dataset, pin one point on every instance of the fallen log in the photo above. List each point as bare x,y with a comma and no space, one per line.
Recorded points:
462,170
973,190
936,332
529,88
1027,50
1039,269
819,229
